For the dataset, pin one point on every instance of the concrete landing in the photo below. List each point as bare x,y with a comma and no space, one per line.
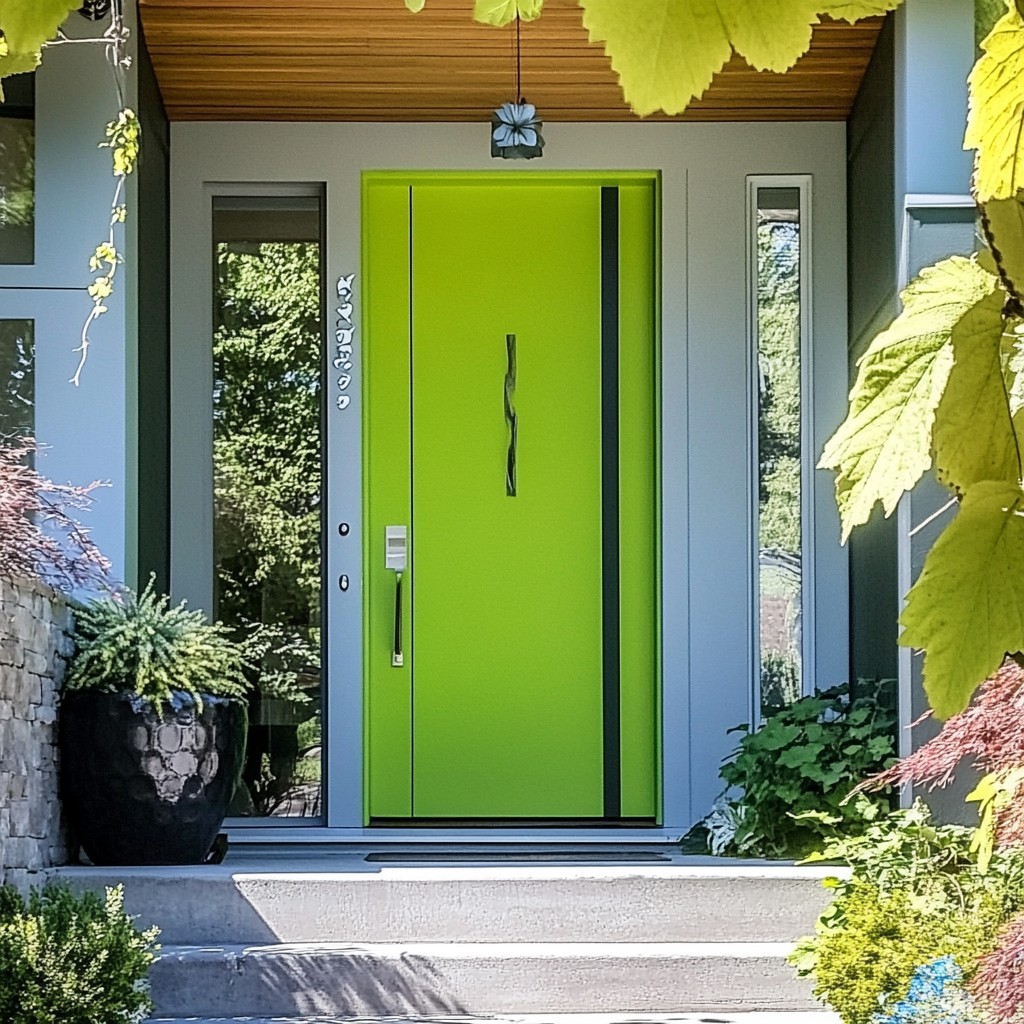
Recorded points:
346,898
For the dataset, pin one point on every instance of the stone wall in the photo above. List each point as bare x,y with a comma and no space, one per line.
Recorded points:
34,644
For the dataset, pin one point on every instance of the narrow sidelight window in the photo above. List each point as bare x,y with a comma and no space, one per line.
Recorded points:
779,324
267,358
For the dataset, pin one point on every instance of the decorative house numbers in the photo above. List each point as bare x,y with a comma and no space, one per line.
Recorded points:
344,340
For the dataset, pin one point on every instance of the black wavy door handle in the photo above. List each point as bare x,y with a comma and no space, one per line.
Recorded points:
511,419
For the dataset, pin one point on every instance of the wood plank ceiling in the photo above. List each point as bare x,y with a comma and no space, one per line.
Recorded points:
371,60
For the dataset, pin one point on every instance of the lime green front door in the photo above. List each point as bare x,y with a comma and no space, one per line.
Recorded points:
510,392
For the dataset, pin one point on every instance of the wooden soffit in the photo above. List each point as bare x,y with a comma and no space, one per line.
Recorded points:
371,60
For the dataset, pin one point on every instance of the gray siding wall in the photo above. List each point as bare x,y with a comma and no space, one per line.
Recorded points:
84,427
874,603
152,210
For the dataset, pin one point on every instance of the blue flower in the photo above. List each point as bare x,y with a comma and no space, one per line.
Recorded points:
518,125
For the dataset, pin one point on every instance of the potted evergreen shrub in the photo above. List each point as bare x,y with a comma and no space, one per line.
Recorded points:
152,730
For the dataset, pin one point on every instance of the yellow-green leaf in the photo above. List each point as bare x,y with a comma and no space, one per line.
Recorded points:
501,12
854,10
1014,339
884,445
15,64
27,24
974,436
1003,223
967,608
415,5
666,52
996,110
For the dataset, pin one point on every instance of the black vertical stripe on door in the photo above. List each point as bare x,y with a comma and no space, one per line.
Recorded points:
611,689
411,527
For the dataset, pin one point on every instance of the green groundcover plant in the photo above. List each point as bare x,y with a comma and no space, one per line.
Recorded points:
789,780
139,643
916,903
72,959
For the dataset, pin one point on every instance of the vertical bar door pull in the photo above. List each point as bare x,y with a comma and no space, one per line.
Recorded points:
397,657
396,557
511,418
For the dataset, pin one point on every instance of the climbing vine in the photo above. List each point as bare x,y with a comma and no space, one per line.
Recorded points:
123,141
27,29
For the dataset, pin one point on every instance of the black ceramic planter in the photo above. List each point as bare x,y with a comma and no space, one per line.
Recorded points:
148,786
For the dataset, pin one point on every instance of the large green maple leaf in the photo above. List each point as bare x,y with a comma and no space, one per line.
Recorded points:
967,608
884,446
996,110
495,12
1002,221
854,10
666,52
26,25
502,12
975,437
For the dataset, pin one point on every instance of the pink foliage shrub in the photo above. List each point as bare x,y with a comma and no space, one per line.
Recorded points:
999,981
989,734
40,538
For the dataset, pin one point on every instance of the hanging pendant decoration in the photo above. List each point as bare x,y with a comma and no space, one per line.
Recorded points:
515,132
515,126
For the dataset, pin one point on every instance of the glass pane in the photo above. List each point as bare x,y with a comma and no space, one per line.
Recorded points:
778,437
17,375
18,171
267,486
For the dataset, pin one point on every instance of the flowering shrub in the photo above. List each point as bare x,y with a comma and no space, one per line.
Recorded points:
40,538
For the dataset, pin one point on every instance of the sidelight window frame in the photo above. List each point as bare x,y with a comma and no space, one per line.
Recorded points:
803,184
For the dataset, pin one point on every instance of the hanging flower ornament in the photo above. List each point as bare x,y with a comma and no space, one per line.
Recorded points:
515,127
516,131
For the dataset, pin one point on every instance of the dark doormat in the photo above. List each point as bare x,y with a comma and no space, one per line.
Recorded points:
518,857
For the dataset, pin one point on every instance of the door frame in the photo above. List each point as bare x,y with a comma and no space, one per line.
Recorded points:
705,649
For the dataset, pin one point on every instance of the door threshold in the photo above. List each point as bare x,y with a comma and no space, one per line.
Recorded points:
513,823
244,835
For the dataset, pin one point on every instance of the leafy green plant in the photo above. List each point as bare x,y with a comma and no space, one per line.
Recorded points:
137,642
912,891
793,774
72,959
27,28
944,386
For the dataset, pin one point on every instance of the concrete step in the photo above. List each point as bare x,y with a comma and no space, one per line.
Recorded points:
474,978
752,1017
368,903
